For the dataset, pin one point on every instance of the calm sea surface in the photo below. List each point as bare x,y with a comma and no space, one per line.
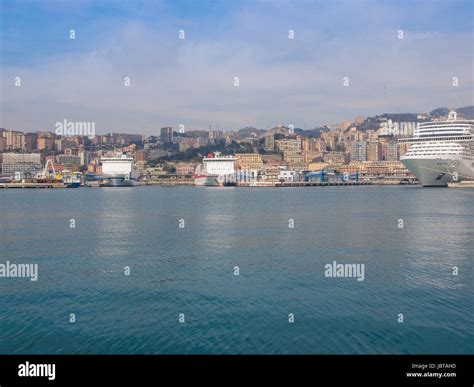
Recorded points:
190,270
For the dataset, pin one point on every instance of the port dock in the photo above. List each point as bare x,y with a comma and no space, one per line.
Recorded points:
32,185
462,184
302,184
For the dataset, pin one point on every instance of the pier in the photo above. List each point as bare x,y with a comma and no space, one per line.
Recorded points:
32,185
462,184
302,184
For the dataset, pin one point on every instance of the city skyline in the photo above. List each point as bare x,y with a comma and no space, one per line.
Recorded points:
191,81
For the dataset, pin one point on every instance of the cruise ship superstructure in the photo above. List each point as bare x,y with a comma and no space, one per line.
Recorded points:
119,170
215,170
441,151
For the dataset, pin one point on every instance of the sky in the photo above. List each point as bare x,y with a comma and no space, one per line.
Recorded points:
191,81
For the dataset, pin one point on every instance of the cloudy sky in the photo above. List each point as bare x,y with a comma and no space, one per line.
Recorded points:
191,81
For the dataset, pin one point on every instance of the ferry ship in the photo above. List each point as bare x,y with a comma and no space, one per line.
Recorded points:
441,152
71,179
119,171
215,170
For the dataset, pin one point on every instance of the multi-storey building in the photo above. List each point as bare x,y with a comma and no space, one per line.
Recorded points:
358,151
29,163
393,153
374,151
335,158
45,143
166,135
31,141
14,140
295,160
249,161
269,142
291,145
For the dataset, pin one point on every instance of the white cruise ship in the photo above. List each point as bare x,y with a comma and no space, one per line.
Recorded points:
119,170
441,151
215,170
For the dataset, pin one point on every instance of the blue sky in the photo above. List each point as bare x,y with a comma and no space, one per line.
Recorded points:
190,81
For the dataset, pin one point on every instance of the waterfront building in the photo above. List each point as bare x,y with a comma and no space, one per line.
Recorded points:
295,160
185,168
25,163
350,168
249,161
272,168
317,166
288,175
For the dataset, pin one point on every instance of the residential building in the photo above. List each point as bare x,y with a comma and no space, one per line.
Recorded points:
358,151
25,163
166,135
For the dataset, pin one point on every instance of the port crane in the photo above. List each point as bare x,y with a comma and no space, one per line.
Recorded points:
49,172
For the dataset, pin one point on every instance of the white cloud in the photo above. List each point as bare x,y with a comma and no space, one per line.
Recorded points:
282,81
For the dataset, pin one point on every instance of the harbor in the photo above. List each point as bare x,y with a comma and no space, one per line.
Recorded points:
33,185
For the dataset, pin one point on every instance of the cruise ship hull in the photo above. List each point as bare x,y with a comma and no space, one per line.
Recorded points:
121,182
439,172
212,181
206,180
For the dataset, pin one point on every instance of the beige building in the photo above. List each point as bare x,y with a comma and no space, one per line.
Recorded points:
249,161
374,151
288,145
309,156
317,166
335,158
295,160
269,144
185,168
14,140
3,144
45,143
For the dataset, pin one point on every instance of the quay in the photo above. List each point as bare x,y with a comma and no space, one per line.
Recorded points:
302,184
462,184
32,185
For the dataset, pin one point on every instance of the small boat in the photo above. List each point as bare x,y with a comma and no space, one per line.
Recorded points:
71,180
